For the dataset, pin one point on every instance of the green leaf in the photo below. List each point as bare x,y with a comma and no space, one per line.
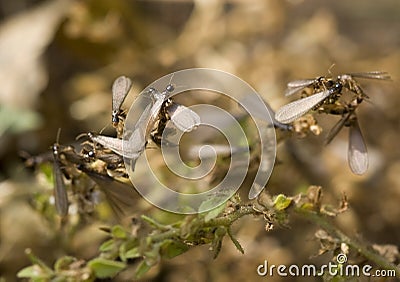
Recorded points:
235,241
64,263
217,203
107,246
34,272
282,202
104,268
217,241
125,247
142,269
118,231
214,212
172,248
133,253
154,223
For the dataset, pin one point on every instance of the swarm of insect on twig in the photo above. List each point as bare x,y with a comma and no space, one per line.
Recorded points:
326,98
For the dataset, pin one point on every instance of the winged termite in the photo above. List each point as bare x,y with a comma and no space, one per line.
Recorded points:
120,90
325,88
184,118
60,191
296,109
136,144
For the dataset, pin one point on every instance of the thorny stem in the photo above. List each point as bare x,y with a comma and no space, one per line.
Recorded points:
355,244
231,218
226,221
317,219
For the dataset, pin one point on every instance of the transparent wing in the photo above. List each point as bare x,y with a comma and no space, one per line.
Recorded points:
357,154
120,90
121,197
183,118
131,149
372,75
296,109
297,85
60,192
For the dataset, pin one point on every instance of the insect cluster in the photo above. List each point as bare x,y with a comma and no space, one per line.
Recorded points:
102,158
325,97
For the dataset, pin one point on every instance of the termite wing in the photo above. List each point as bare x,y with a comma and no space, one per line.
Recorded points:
60,191
120,90
381,75
357,155
119,195
298,85
296,109
182,117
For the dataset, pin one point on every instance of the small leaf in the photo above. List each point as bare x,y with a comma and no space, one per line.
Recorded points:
125,247
142,269
33,272
235,241
217,241
118,231
172,248
107,246
104,268
132,253
154,223
214,212
282,202
63,263
213,205
37,261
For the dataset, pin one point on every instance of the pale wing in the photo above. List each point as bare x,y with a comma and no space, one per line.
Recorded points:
297,85
121,197
357,154
131,149
60,192
183,118
296,109
120,90
372,75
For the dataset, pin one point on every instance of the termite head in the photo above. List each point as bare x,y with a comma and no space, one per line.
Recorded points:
170,88
114,118
55,149
336,87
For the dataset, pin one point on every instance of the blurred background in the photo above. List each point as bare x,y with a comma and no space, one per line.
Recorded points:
59,58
